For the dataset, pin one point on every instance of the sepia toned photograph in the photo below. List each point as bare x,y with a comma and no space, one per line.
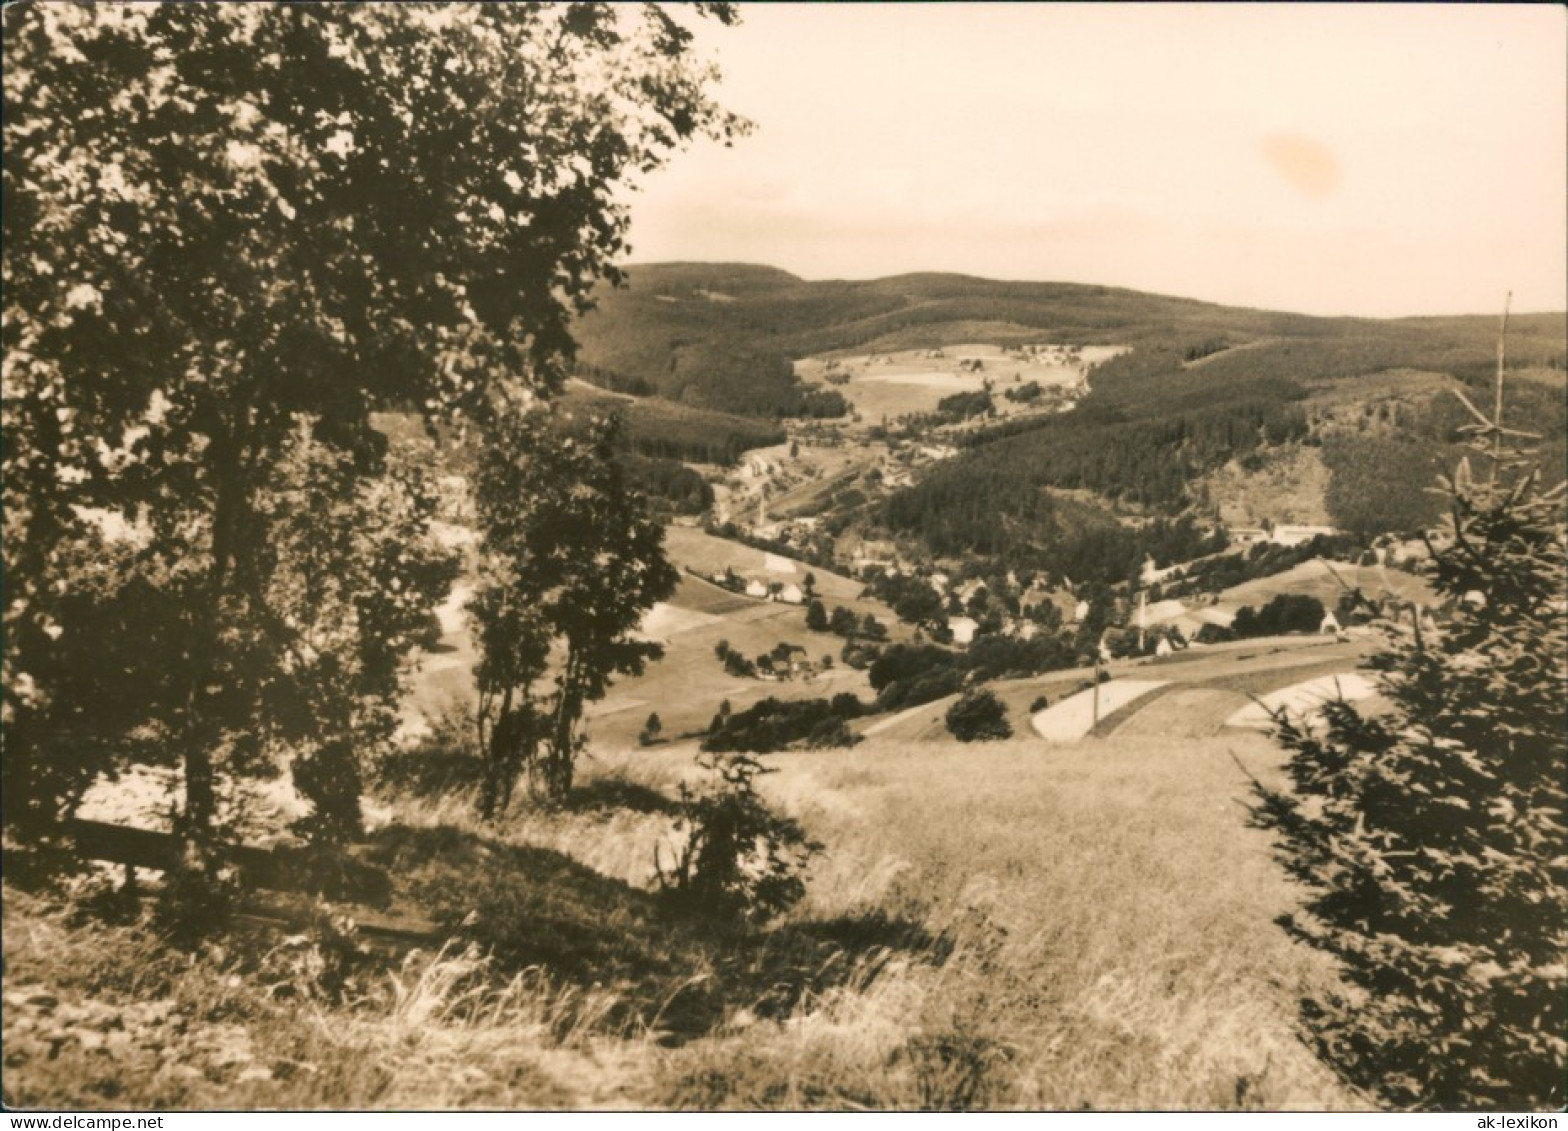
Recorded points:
806,557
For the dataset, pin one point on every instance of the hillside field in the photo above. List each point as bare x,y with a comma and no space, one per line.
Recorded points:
884,386
1081,926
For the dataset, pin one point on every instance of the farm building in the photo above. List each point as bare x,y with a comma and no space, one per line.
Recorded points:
1296,535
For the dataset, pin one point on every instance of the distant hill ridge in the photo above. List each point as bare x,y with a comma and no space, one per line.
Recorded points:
1203,388
723,335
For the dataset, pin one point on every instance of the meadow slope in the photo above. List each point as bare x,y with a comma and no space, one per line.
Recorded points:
990,926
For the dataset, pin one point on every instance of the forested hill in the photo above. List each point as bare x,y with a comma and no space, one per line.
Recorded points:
723,336
1200,389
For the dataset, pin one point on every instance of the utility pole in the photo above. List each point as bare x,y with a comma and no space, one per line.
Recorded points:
1096,693
1497,412
1099,660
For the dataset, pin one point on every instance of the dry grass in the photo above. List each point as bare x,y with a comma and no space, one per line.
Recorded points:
1002,925
1112,924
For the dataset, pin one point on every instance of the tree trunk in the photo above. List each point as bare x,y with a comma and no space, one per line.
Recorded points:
201,730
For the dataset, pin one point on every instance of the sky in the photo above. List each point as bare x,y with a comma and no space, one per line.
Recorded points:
1374,160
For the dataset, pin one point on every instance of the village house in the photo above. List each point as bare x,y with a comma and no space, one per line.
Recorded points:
968,589
962,628
794,658
1296,535
1153,575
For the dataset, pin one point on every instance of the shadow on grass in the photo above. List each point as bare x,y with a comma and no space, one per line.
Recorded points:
439,766
534,907
429,770
619,793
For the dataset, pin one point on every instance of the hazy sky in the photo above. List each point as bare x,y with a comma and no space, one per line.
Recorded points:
1379,160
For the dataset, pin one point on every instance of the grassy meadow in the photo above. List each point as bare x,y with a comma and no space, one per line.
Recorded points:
990,926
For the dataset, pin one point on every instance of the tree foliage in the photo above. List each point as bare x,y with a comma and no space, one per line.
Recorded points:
978,716
571,564
1433,839
777,724
226,223
1280,614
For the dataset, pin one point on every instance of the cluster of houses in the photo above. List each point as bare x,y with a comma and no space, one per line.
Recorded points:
763,588
785,662
1280,535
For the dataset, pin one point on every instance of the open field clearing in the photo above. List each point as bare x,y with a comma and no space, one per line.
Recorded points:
1315,579
907,382
1303,699
1074,717
687,686
1100,964
696,549
1190,712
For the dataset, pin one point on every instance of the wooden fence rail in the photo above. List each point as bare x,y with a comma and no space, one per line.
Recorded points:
285,870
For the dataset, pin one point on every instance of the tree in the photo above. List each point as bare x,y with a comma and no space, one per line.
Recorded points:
978,716
571,563
1433,840
222,221
918,603
816,617
1282,613
652,729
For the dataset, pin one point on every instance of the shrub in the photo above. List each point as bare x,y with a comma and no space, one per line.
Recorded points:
326,962
1285,612
652,730
1039,703
739,860
978,716
774,724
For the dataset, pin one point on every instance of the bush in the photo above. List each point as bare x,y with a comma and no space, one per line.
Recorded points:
978,716
918,689
739,860
1039,704
774,724
1284,613
652,730
1433,841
